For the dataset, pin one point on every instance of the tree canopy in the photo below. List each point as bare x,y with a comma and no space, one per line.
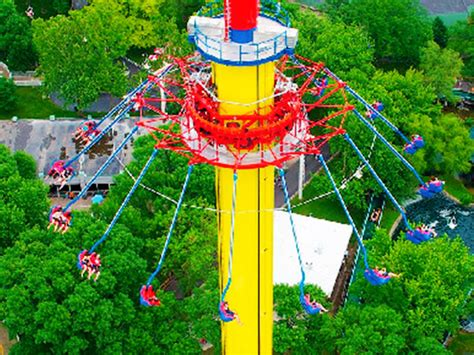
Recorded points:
440,32
16,48
399,28
461,39
441,67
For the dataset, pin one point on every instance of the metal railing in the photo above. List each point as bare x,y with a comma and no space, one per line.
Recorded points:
241,53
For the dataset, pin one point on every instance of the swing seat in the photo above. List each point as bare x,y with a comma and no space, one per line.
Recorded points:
425,192
436,186
417,236
321,85
371,114
378,106
57,167
80,259
376,279
418,141
308,307
410,148
146,295
226,315
53,210
411,237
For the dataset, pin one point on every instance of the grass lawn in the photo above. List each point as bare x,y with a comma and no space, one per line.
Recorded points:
456,188
30,104
463,343
390,215
325,208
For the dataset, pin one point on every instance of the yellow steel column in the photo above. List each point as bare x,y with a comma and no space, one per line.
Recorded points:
251,291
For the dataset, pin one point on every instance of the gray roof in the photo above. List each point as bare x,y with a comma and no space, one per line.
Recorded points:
50,140
445,6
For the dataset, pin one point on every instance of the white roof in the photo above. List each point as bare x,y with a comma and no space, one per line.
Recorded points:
322,245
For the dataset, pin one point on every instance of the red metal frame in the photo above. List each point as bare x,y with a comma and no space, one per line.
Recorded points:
251,140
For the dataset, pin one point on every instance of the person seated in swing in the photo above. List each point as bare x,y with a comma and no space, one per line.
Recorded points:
375,215
228,313
383,273
55,218
148,296
64,177
410,148
95,264
30,12
417,141
64,222
86,132
435,185
85,264
56,170
315,306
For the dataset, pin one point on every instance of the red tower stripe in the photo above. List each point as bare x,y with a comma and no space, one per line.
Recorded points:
243,14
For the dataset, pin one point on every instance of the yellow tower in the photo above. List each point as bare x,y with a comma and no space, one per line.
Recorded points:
243,46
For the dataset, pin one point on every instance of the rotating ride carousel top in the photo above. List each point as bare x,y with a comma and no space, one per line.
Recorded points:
310,105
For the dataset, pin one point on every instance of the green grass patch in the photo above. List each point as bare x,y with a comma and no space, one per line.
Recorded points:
390,215
327,208
463,343
457,189
31,104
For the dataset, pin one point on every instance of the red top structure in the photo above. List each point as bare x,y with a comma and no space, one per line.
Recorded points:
242,19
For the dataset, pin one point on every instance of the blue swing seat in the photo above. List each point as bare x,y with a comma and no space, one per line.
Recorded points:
418,141
374,279
425,192
80,257
226,315
308,308
436,186
378,106
416,236
410,149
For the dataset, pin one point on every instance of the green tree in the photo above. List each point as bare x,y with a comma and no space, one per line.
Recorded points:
8,97
16,48
333,7
451,146
23,202
440,32
78,54
363,329
399,28
430,291
441,67
26,165
293,330
461,39
409,105
347,50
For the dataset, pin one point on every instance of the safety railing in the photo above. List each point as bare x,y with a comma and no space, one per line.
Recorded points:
268,8
242,53
222,51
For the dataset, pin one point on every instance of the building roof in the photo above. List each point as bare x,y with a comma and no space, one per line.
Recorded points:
322,243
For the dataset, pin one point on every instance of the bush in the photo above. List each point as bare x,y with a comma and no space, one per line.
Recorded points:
7,95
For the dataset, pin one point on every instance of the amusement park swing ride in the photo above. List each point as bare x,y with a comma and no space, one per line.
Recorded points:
248,104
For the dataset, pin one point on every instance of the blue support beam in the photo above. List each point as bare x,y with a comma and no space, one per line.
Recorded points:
379,181
346,211
102,168
394,151
125,201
